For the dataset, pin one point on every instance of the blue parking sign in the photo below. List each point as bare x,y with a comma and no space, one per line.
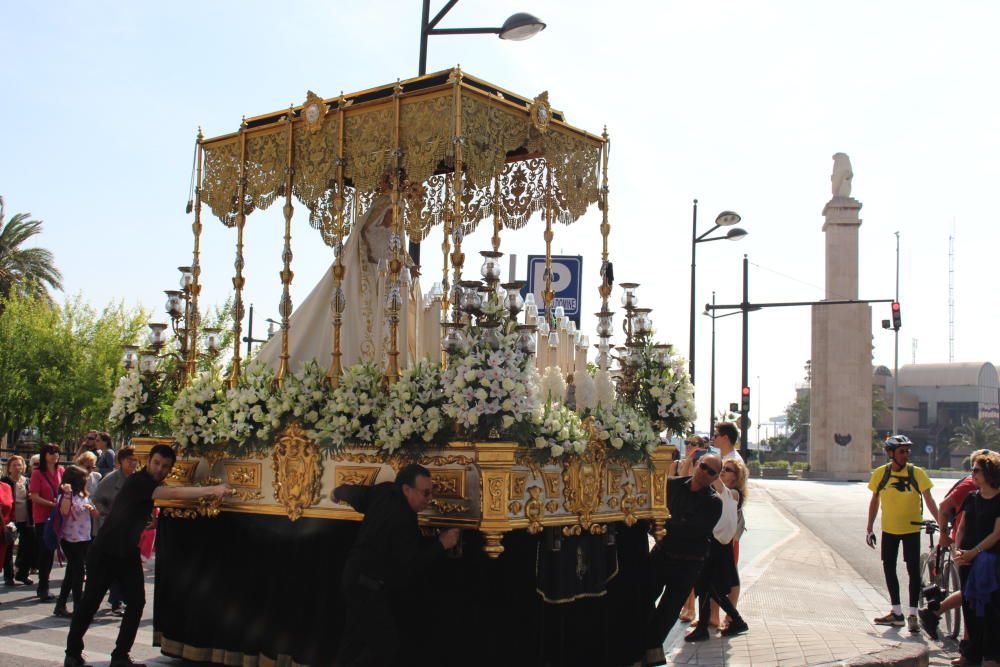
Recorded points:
567,271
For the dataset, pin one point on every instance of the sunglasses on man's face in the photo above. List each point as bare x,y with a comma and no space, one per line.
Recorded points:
709,469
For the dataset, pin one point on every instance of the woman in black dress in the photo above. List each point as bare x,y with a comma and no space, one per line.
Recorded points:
978,558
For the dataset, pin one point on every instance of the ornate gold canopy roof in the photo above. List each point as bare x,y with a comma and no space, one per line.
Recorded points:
512,151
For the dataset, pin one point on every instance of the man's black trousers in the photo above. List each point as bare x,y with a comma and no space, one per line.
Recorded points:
102,570
676,578
370,638
911,556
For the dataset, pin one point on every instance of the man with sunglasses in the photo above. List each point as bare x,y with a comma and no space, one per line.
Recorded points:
901,489
678,558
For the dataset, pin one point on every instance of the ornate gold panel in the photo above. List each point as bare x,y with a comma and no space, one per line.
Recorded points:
583,479
551,484
182,474
659,489
298,471
641,480
245,475
517,484
533,511
449,484
364,475
614,481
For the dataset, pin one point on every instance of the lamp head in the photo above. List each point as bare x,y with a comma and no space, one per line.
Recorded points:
727,219
735,234
521,26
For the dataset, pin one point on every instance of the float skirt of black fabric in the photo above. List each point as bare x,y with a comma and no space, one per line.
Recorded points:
259,589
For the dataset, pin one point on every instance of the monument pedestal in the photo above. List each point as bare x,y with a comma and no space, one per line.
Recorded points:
840,395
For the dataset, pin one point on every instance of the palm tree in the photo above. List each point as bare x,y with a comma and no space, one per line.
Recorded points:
25,271
976,434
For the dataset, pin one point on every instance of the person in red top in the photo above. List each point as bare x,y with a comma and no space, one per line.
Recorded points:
43,489
949,517
6,516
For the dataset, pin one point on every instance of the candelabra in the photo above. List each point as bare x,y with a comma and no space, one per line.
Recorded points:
184,320
637,326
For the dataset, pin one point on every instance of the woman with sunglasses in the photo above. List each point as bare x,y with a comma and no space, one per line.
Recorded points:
720,575
43,488
978,557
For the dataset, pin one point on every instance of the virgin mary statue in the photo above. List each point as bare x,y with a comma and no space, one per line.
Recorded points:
365,330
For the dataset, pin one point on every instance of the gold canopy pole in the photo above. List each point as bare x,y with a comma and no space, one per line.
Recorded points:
548,295
285,307
457,257
238,280
395,296
496,213
194,317
339,299
605,288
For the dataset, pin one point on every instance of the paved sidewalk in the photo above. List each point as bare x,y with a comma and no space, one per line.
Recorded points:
805,606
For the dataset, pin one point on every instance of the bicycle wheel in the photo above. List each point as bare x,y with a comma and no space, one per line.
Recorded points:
952,618
925,577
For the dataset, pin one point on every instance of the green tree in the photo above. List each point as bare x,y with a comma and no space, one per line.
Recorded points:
974,434
25,271
60,363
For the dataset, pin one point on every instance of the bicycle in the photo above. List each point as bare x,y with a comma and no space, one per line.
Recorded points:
939,579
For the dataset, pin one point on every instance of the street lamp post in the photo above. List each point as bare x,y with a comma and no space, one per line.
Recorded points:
724,219
711,314
517,28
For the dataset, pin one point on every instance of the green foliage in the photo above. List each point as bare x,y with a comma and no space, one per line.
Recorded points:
59,364
780,463
780,444
24,271
975,434
754,468
799,466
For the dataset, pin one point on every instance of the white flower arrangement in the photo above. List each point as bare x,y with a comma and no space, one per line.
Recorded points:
301,399
130,399
194,424
243,416
666,392
628,433
413,414
489,386
556,431
350,412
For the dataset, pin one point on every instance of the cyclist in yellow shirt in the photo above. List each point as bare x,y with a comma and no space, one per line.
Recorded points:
901,488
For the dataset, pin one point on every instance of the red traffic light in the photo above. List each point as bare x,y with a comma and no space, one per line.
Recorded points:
895,306
746,391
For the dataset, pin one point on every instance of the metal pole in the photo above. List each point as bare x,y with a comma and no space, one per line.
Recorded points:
744,446
694,245
425,15
711,421
249,338
895,369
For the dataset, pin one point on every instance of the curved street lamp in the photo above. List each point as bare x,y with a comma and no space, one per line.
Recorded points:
724,219
517,28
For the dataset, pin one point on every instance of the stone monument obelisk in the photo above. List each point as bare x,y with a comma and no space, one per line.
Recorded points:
840,403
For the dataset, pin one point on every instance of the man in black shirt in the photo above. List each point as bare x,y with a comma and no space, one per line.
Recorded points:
388,554
114,554
677,559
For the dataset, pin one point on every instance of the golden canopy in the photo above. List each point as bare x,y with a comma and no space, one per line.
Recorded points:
512,153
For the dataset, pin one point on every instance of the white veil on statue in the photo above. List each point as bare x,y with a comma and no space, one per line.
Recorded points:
364,332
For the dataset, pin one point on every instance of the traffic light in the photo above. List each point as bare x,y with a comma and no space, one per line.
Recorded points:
897,321
745,401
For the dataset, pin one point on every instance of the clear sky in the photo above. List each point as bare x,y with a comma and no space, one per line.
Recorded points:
738,104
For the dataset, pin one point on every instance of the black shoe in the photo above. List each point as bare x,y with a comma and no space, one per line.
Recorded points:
24,580
62,611
118,610
125,662
929,622
75,661
46,597
699,634
736,626
9,582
